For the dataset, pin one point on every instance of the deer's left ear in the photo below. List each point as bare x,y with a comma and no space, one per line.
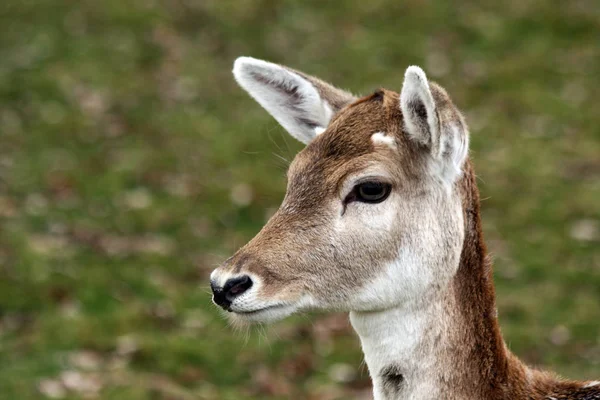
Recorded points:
302,104
432,120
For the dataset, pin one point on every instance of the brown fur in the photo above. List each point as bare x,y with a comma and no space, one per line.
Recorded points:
477,362
316,174
488,370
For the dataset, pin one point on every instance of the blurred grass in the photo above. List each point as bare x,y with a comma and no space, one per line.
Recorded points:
131,165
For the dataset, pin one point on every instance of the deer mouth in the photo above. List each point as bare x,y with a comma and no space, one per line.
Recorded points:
270,313
259,310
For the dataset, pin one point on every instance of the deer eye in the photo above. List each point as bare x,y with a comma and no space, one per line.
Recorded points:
370,192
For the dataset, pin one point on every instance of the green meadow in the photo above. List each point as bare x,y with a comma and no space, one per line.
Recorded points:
131,165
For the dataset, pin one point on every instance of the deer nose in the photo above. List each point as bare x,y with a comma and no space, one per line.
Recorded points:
233,288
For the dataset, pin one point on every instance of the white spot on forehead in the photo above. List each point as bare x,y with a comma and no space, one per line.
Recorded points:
592,383
319,130
381,138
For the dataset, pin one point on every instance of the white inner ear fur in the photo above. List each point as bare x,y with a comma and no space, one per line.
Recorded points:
292,100
381,139
415,90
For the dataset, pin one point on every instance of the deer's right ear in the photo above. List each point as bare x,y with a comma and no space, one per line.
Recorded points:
431,119
302,104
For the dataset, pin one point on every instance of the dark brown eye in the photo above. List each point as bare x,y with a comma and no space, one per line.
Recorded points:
372,192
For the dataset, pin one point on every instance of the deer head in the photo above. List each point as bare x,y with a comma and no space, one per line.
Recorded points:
372,217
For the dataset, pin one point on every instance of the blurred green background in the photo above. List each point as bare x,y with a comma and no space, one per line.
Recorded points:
131,164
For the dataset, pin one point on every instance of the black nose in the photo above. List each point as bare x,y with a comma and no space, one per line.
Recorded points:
233,288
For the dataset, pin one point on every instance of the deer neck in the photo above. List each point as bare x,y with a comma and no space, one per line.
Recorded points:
447,344
406,349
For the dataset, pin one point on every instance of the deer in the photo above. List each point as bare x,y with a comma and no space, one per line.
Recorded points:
381,219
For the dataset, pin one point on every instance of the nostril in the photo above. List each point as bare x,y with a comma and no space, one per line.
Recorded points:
219,297
237,286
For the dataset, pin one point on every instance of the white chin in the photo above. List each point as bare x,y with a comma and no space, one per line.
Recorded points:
265,315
